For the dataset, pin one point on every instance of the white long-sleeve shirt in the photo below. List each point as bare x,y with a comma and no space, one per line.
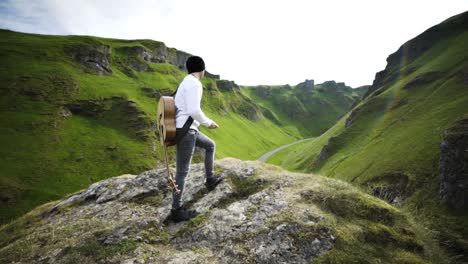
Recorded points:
187,102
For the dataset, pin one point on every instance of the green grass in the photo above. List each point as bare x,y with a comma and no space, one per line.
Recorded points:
279,157
311,112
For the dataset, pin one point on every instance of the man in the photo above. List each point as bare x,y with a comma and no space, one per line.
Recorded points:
187,102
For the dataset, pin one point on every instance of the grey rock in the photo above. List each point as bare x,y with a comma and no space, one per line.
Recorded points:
95,57
327,150
227,85
352,116
454,166
212,76
306,85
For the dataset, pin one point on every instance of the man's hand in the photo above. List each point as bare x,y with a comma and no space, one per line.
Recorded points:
213,125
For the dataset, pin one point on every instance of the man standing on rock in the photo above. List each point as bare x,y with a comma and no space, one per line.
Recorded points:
189,116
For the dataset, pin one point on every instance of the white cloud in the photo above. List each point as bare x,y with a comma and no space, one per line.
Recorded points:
251,42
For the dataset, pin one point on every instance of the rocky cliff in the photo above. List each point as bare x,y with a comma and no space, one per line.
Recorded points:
454,166
259,214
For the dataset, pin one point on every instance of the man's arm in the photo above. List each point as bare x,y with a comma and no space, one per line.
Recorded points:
193,98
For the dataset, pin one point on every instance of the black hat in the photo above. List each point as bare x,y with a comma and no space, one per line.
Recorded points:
195,64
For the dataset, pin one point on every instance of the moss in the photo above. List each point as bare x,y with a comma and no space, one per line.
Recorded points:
243,188
96,251
156,235
367,230
352,205
193,224
390,235
154,200
368,242
251,210
16,229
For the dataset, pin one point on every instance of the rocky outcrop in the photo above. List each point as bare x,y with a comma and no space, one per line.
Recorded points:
157,52
137,51
96,58
169,55
327,151
392,187
262,91
212,76
454,166
333,85
306,85
249,109
352,117
259,214
227,85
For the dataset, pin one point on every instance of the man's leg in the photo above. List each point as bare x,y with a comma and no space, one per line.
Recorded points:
209,145
184,153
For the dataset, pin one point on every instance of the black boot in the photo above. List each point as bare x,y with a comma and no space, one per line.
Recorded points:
212,182
180,214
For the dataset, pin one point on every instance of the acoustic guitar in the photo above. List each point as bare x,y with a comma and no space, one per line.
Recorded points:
167,131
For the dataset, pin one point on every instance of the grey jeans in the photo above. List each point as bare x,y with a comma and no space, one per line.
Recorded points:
184,154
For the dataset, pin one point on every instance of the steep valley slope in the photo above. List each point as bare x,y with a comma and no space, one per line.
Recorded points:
407,140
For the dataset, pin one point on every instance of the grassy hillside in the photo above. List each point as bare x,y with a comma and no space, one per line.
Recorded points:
390,143
77,109
308,107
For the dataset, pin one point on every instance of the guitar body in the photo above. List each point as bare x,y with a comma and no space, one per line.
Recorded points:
167,129
166,120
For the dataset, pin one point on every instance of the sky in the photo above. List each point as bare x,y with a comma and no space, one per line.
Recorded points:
251,42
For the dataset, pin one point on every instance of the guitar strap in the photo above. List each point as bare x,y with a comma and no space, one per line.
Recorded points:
180,132
172,181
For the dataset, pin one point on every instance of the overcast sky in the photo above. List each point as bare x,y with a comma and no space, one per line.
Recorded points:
250,41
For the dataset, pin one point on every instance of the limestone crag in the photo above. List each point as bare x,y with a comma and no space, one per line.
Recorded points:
93,57
454,166
306,85
227,85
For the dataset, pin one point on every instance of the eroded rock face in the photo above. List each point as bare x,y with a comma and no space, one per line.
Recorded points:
454,166
227,85
95,57
306,85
